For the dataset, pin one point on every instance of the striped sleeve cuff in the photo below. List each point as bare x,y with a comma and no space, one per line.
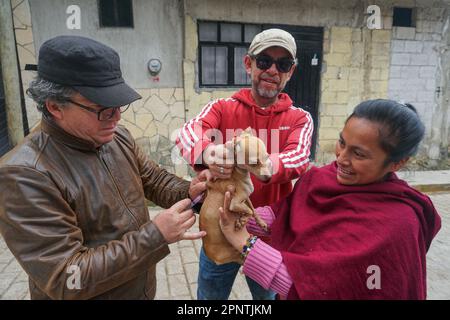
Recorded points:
282,281
264,265
267,215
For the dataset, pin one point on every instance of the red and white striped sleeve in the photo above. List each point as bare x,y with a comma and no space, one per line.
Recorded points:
194,136
293,160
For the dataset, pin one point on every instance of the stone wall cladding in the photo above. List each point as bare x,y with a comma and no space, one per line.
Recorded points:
412,76
414,60
154,122
358,64
25,49
356,68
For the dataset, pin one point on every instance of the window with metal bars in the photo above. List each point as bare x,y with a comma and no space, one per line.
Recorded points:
116,13
222,47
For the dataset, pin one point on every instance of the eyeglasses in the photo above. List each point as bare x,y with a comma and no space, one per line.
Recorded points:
103,114
264,62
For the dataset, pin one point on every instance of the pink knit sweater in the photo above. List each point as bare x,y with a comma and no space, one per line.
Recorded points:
264,264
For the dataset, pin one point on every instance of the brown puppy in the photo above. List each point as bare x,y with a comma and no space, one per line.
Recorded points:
249,150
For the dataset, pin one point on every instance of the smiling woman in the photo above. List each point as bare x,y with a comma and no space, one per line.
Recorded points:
346,219
359,155
378,138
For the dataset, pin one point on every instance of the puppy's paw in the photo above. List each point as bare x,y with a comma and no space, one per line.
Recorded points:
264,226
260,222
240,223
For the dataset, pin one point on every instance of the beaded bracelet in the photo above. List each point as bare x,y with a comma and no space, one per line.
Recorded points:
248,246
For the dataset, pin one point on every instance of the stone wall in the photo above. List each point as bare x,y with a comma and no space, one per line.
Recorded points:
355,62
356,68
157,33
25,48
154,119
154,122
358,63
399,63
416,71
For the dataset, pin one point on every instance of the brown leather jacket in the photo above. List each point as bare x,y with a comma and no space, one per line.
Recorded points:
69,209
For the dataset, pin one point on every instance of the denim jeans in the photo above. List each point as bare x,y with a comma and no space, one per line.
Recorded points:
215,281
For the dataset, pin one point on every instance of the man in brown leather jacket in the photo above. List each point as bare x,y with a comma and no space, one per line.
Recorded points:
72,194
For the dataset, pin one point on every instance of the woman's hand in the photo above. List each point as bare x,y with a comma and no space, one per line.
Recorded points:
237,238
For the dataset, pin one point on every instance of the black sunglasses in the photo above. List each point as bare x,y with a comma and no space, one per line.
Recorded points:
103,114
264,62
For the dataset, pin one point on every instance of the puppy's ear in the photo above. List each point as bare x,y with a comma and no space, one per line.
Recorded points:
230,145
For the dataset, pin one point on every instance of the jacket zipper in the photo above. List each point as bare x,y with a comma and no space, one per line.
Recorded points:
135,220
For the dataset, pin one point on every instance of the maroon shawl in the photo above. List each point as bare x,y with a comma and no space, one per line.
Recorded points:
330,234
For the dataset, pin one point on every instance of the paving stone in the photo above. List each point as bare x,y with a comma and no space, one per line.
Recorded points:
193,289
16,291
161,272
173,247
177,273
191,270
174,265
240,288
197,246
13,266
178,285
3,266
162,289
6,279
6,257
438,256
21,277
185,243
183,297
189,255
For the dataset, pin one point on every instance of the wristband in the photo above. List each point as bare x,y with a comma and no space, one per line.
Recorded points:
248,246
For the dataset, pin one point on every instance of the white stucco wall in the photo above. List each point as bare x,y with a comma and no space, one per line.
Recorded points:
157,33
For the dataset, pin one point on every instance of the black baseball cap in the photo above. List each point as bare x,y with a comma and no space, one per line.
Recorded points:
88,66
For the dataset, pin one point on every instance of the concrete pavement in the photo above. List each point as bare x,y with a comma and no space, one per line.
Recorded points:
177,273
427,181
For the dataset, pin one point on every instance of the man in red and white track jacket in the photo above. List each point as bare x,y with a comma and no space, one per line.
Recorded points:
285,129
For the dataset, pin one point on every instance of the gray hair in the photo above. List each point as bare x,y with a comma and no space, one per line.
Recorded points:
40,90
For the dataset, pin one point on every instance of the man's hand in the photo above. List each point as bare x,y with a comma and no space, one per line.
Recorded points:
198,184
237,238
175,222
220,159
